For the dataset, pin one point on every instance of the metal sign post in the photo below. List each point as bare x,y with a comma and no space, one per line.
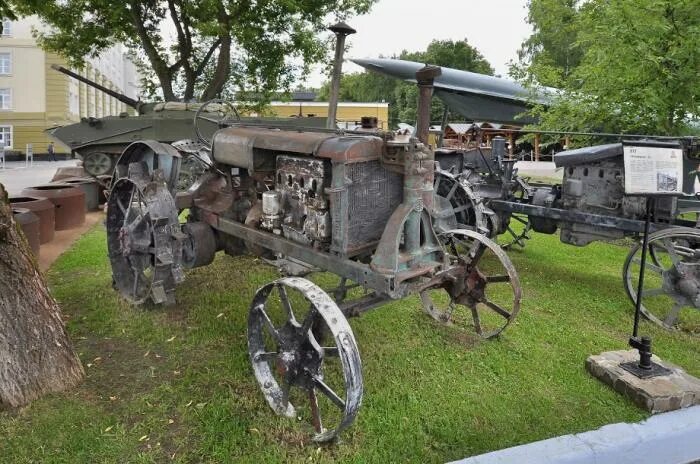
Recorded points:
645,367
651,170
29,160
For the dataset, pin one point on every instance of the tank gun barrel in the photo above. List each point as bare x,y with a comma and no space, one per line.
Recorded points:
121,97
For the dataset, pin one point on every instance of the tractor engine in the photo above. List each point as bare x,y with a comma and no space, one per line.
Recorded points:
329,192
298,207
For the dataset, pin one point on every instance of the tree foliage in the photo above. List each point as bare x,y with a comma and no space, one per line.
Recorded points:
636,66
552,52
258,45
402,96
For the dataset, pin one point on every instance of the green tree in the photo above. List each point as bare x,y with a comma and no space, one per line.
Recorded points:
638,72
402,96
260,46
552,52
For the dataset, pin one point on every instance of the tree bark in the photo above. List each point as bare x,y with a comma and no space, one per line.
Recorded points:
223,64
36,356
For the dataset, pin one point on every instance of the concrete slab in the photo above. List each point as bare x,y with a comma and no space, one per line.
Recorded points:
669,438
656,394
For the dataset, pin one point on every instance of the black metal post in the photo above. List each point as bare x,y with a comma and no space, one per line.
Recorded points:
640,285
645,368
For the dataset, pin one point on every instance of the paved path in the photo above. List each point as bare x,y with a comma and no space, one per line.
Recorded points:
17,175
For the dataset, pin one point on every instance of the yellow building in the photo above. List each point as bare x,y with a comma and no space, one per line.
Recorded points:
34,97
348,114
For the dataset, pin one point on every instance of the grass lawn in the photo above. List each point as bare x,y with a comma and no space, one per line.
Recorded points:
175,384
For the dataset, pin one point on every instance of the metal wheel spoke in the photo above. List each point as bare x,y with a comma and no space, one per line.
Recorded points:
122,208
328,392
265,356
137,273
452,190
520,220
315,411
309,320
477,320
128,208
650,266
268,323
331,351
462,208
653,292
285,302
285,387
498,309
672,251
672,316
138,220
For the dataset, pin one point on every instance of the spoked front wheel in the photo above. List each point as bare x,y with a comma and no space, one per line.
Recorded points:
481,291
303,352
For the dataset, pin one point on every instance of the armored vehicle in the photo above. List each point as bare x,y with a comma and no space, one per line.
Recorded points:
100,141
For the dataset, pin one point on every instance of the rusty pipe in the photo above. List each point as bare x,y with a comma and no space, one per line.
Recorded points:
425,78
341,30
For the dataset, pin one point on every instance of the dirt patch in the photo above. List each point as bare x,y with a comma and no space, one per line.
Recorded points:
117,370
63,239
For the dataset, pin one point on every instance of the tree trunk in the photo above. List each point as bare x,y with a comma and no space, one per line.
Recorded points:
36,356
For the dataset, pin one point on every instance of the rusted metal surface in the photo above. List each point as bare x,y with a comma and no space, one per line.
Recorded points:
44,209
68,200
299,352
30,225
425,77
90,187
254,148
467,286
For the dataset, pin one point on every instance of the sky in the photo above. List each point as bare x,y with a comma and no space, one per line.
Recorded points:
495,27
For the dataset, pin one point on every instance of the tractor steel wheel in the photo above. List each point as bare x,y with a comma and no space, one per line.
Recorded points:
671,294
143,237
483,292
303,352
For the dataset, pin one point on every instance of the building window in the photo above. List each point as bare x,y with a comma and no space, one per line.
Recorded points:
5,99
6,136
6,28
5,63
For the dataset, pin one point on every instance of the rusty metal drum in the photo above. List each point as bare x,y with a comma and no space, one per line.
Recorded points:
90,187
44,209
68,200
30,225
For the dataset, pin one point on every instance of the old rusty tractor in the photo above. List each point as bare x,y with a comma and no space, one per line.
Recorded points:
375,209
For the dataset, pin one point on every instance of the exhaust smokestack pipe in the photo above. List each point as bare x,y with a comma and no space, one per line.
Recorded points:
425,77
341,30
